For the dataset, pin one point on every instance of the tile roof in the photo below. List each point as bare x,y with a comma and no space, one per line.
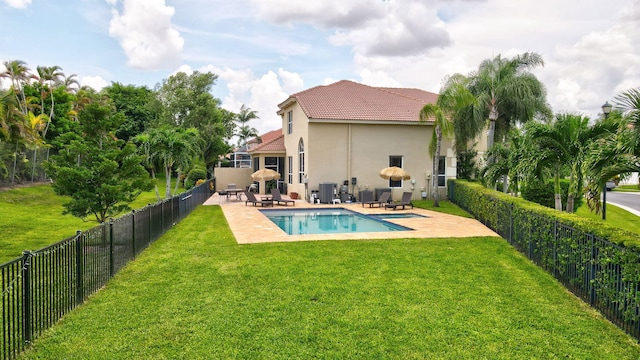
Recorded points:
266,137
348,100
273,145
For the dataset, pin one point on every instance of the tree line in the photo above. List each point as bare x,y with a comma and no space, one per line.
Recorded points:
527,144
103,148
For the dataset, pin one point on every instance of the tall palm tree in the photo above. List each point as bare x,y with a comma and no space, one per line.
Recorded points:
49,76
245,131
70,83
453,96
508,93
18,74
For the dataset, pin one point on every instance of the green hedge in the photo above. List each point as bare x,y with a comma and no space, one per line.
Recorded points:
485,204
543,193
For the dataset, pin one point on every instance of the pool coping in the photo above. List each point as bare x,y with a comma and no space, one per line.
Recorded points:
331,211
249,226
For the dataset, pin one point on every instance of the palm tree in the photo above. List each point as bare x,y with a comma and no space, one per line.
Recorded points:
508,93
18,73
173,146
245,131
453,96
618,153
510,161
143,143
49,76
564,145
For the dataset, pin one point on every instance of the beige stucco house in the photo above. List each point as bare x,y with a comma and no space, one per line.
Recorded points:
348,132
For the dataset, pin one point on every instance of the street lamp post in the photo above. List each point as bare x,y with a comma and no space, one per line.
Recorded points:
606,109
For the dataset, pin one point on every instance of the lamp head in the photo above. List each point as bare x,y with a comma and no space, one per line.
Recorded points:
606,108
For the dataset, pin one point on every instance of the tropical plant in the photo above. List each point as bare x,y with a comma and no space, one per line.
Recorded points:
618,154
564,145
453,96
508,94
100,173
172,147
245,131
508,162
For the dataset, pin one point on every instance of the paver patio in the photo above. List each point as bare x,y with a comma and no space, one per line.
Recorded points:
250,226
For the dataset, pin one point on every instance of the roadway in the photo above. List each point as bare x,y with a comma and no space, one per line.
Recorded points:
629,201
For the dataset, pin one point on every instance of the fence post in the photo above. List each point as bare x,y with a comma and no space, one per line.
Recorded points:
592,272
79,268
111,249
26,296
133,234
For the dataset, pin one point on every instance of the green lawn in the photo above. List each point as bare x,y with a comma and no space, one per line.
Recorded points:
196,294
31,218
627,188
615,217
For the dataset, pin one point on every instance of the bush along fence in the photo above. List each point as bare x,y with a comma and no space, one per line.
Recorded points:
597,263
41,286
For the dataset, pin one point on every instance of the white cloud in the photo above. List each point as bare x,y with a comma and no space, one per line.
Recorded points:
95,82
390,28
322,13
18,4
262,94
146,34
583,75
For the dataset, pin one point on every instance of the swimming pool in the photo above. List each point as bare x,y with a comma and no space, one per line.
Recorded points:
397,216
327,221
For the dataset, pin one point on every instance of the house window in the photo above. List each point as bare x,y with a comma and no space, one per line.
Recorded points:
256,163
301,162
289,122
442,179
290,167
395,161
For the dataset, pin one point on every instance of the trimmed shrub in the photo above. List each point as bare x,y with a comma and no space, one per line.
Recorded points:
197,173
543,193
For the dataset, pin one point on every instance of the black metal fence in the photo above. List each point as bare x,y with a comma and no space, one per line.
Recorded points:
41,286
603,274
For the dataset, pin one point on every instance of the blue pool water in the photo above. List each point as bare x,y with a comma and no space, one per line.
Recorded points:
397,216
327,221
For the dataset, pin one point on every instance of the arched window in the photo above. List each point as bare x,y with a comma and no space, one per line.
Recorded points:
301,161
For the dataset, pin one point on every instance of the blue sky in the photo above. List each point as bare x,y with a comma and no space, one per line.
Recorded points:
264,50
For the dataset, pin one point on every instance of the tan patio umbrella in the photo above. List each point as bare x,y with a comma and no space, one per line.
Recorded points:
394,173
265,175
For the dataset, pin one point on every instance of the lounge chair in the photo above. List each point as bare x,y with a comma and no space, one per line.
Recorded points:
276,198
251,198
406,201
383,200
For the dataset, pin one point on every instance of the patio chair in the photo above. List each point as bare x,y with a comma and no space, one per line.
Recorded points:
405,201
276,198
251,198
383,200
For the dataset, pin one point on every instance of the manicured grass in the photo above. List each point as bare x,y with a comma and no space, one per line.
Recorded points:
616,217
627,188
196,294
31,218
446,207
